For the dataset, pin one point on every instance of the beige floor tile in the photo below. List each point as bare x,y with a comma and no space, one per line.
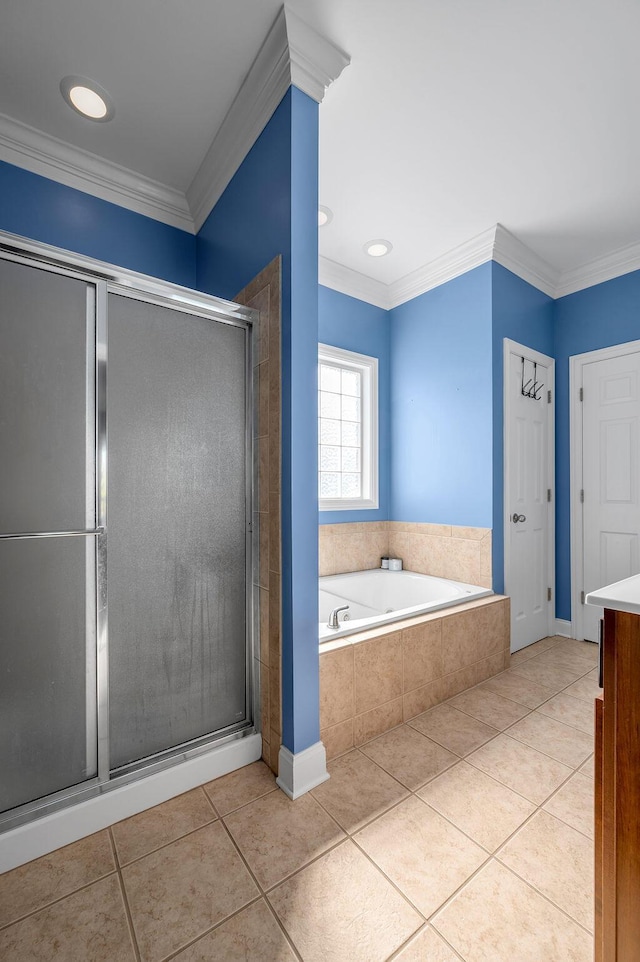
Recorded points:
240,787
427,947
574,804
556,860
490,708
164,823
511,685
36,884
589,767
566,661
180,891
357,791
478,805
453,729
424,855
341,907
251,936
523,769
498,918
278,836
585,688
409,756
549,677
588,649
551,737
532,650
578,714
88,926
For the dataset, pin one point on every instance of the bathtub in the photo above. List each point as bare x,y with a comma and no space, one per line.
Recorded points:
379,597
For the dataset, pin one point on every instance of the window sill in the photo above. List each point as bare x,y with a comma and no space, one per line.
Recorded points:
344,504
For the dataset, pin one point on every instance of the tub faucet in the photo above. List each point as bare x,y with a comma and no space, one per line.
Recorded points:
333,617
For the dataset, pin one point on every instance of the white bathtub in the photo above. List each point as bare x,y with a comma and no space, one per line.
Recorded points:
378,597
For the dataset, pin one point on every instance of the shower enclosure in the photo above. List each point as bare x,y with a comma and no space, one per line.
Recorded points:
126,467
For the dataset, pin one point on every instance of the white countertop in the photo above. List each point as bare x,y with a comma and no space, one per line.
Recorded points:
622,596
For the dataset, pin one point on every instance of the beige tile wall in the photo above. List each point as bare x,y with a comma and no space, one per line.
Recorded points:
263,294
370,686
356,546
446,551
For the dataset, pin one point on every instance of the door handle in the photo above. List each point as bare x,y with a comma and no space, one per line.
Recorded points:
517,517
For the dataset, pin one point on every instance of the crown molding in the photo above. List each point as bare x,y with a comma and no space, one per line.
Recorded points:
623,261
315,62
50,157
478,250
292,53
525,263
347,281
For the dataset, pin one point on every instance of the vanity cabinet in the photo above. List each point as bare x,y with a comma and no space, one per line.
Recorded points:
617,788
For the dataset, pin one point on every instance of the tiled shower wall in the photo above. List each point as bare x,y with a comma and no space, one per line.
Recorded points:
445,551
263,294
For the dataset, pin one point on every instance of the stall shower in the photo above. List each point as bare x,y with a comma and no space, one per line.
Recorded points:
125,529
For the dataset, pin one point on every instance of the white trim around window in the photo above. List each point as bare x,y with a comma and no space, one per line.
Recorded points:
367,368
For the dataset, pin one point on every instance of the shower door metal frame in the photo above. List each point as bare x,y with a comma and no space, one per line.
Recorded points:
105,279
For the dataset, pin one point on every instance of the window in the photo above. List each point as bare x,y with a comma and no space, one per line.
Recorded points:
347,429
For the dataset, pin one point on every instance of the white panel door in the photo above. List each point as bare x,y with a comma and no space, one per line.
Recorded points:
611,511
528,574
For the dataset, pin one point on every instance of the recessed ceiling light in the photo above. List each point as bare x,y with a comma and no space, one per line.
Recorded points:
377,248
87,98
325,216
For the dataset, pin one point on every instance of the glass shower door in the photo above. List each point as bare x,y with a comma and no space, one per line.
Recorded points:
48,738
178,501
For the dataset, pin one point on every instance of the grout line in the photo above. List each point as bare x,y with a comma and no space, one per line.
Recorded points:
212,928
280,924
549,900
60,898
171,841
127,909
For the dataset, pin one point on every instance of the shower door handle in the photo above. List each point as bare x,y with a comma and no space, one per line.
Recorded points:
54,534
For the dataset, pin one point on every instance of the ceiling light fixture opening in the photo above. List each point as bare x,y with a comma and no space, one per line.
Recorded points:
325,216
87,98
378,247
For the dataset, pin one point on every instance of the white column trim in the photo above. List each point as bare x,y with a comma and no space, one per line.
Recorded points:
303,771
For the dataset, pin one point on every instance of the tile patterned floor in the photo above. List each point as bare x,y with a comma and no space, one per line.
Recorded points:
464,834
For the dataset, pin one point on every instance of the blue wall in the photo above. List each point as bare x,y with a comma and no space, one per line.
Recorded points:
46,211
271,207
589,320
524,314
441,404
354,325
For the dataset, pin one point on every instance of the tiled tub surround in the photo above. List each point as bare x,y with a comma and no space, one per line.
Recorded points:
373,681
443,550
466,834
383,597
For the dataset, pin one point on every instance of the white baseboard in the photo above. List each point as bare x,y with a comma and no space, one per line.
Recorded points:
563,628
44,835
300,773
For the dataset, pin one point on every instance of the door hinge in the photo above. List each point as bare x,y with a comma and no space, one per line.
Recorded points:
548,397
581,495
548,494
548,594
582,597
581,394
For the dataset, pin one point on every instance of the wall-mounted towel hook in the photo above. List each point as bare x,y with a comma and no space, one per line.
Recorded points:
531,387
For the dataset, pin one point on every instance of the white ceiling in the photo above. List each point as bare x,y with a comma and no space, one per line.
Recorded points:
454,115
